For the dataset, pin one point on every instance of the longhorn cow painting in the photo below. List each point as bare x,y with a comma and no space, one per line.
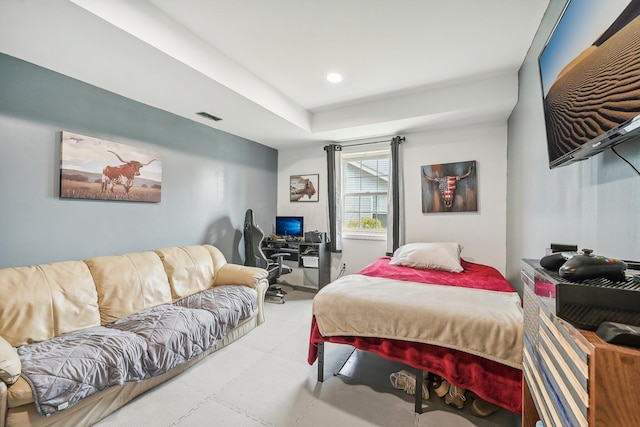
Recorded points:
303,188
93,168
449,187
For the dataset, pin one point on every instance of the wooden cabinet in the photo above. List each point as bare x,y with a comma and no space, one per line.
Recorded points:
572,377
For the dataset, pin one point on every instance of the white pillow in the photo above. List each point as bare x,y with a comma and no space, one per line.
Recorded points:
436,256
10,365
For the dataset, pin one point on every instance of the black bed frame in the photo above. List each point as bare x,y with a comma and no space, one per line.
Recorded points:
419,378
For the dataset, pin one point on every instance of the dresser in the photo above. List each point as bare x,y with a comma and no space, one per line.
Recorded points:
572,377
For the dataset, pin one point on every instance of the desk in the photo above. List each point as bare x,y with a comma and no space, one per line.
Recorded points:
572,377
313,260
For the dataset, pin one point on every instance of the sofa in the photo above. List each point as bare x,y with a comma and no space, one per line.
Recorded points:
129,322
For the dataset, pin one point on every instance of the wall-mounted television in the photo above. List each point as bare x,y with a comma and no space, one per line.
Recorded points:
290,226
590,72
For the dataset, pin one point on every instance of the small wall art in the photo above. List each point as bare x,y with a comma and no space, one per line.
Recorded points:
449,187
93,168
304,188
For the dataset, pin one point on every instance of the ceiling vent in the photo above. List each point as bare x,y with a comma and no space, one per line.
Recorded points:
209,116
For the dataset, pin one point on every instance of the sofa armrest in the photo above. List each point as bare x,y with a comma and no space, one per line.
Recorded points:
4,404
10,365
235,274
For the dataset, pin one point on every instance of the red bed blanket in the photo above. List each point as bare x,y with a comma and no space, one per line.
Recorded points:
476,276
492,381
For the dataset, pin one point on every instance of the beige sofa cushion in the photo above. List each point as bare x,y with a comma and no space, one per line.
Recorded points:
129,283
43,301
189,268
19,394
218,257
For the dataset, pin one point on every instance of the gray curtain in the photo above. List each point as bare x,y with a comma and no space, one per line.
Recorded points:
333,185
395,210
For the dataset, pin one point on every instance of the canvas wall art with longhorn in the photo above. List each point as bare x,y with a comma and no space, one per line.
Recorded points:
304,188
93,168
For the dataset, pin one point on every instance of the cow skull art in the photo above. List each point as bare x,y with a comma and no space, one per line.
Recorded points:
447,185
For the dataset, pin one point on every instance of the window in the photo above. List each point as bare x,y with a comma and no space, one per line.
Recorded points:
365,182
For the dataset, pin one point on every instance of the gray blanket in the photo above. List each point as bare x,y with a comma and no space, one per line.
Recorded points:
173,334
229,304
66,369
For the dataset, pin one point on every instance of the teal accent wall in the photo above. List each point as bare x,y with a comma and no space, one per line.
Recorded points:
209,178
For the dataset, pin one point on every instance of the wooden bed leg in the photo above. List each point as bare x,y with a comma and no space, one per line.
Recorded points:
419,380
320,361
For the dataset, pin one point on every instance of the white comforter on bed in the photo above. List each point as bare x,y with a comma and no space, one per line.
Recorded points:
484,323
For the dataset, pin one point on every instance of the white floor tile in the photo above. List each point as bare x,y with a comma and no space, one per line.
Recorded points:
274,390
161,406
223,367
215,413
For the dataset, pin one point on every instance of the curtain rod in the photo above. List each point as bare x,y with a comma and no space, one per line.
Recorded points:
371,142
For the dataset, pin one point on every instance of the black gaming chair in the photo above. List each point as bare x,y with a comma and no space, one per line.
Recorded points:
255,257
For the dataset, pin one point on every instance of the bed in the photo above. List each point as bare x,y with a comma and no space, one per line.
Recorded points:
465,325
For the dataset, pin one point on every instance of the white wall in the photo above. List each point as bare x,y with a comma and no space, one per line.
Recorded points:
482,233
305,161
594,204
524,206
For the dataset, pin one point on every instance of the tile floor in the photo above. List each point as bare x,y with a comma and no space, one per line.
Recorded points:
264,380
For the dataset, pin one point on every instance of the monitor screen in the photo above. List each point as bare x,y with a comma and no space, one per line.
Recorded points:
290,226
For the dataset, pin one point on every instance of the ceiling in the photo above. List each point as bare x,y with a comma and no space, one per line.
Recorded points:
408,65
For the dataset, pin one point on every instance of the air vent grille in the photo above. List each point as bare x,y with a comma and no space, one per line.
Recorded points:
209,116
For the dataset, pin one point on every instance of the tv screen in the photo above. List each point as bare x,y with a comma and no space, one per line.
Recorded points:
289,226
590,73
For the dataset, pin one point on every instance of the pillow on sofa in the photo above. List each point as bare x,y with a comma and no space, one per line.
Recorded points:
436,256
10,365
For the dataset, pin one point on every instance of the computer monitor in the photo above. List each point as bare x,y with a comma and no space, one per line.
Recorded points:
290,226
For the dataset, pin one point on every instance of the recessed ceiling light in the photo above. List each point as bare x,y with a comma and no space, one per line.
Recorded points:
334,77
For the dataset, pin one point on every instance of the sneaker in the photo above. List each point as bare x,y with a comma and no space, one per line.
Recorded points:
455,397
440,386
406,381
482,408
